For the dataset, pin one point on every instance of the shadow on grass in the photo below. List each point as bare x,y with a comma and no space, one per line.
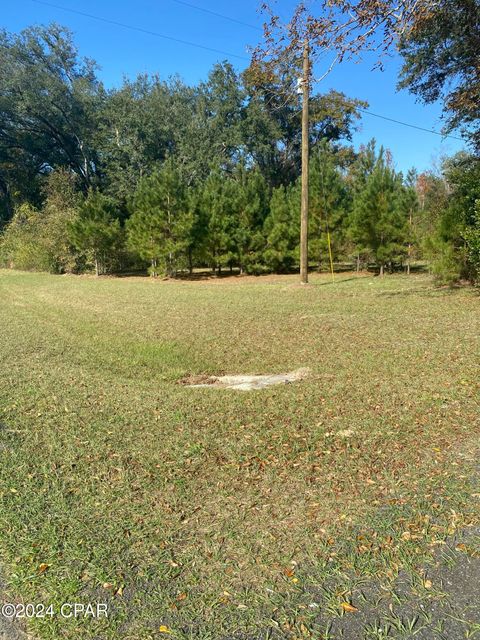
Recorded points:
430,291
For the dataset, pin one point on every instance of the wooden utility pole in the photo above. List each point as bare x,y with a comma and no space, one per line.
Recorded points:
305,158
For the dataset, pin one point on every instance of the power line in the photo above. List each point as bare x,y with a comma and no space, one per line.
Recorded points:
218,15
140,29
220,51
407,124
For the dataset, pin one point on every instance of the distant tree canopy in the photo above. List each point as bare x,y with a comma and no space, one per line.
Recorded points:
49,101
56,113
161,175
441,61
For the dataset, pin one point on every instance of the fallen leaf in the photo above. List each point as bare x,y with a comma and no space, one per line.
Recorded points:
427,584
43,567
164,629
346,606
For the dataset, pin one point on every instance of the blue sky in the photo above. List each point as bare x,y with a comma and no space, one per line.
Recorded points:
121,52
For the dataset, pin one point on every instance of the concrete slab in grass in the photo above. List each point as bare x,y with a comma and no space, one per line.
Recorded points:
245,382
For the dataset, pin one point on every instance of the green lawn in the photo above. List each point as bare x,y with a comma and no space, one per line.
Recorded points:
205,513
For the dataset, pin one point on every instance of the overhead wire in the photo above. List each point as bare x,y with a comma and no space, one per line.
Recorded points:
223,52
407,124
217,14
139,29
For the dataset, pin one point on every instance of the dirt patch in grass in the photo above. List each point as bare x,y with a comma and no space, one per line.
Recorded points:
246,382
198,380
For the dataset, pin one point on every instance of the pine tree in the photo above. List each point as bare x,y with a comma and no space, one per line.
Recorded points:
160,226
379,219
251,208
410,204
459,219
329,202
196,237
472,239
96,230
219,202
356,179
282,229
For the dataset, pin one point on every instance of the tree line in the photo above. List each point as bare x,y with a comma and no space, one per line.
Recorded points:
168,176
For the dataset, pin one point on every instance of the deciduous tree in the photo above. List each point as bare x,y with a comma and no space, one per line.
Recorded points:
441,62
49,98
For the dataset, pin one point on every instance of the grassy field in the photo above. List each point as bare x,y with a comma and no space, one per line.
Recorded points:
207,513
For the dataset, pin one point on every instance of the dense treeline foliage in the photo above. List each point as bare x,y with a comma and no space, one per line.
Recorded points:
440,53
171,177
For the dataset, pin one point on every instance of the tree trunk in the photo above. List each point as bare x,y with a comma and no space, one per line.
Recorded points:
97,269
4,189
382,270
190,261
358,263
154,268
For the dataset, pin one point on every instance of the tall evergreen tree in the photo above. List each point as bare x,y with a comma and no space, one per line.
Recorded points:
359,171
458,219
410,204
96,230
379,219
161,222
251,208
219,203
282,229
329,203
